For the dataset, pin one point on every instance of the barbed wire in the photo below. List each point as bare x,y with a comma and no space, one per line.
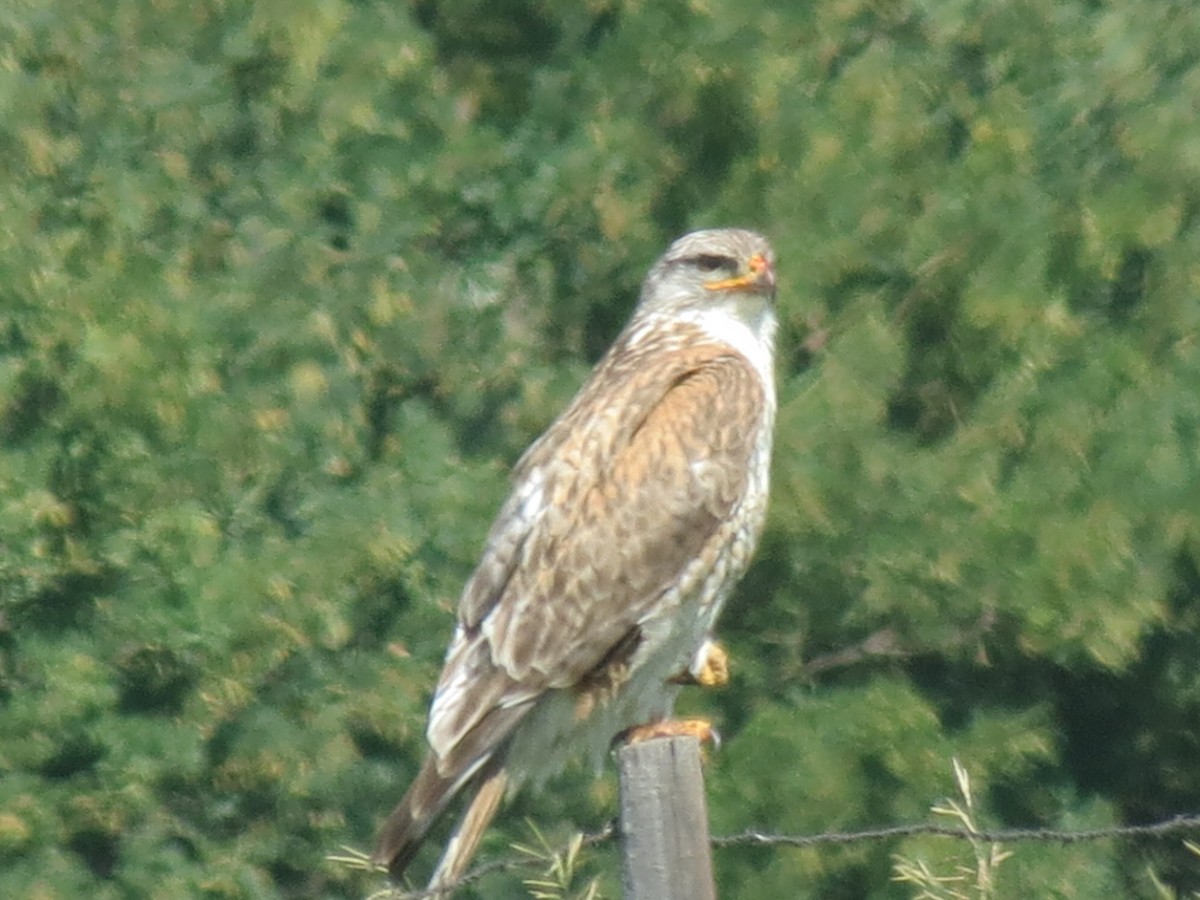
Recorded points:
1165,828
754,838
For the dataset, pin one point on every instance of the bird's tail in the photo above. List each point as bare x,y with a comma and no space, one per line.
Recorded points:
474,823
402,834
427,798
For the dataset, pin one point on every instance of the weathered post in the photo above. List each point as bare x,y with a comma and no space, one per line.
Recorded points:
664,821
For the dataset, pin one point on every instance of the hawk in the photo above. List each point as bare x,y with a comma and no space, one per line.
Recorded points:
629,521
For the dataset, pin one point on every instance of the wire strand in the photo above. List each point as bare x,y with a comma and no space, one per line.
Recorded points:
754,838
1165,828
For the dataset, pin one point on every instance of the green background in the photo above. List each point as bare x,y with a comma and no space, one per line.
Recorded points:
286,287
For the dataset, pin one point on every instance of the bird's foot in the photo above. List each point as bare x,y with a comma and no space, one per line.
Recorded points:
713,670
709,669
701,729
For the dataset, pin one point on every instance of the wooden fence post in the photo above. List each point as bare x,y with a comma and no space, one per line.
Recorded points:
664,821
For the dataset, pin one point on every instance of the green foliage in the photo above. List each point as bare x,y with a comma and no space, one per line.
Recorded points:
977,879
559,876
286,288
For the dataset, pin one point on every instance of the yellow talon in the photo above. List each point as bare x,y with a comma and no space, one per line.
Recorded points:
714,665
701,729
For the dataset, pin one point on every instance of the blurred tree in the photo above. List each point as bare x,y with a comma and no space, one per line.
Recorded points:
286,288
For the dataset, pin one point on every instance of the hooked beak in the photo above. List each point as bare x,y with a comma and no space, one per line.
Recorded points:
759,276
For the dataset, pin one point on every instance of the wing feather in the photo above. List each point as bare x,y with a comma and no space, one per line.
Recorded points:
608,508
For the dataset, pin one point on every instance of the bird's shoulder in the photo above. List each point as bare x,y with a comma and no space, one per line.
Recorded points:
640,372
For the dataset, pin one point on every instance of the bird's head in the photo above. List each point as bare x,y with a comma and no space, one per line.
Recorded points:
724,267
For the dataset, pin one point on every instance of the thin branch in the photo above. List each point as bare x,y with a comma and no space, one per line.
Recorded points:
883,643
886,643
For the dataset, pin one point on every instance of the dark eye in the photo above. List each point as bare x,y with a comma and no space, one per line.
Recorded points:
707,262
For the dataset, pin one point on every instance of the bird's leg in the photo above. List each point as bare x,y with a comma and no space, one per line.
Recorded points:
709,668
713,665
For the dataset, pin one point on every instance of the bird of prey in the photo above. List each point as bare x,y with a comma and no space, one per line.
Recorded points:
629,521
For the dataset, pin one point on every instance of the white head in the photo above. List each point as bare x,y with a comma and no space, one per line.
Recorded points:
722,280
723,267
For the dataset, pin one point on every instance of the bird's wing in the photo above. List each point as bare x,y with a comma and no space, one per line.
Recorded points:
608,510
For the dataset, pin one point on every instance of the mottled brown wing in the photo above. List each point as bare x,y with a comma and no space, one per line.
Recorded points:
627,522
625,490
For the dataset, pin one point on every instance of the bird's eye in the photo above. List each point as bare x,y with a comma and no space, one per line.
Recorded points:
708,262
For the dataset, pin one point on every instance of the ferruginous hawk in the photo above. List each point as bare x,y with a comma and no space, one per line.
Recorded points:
630,520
